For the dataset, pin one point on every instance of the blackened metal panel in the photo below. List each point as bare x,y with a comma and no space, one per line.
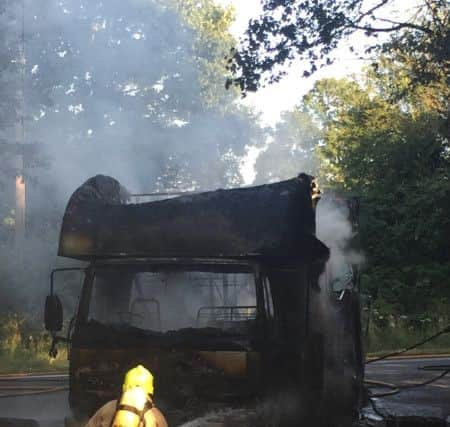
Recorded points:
274,220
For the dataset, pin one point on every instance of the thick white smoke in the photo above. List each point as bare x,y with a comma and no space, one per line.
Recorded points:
115,88
331,304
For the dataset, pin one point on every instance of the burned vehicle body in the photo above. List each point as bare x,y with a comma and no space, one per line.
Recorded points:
216,293
183,319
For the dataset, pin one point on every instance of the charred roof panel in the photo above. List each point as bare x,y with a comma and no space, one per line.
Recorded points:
273,220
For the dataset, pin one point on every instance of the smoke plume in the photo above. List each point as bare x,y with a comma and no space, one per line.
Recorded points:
130,89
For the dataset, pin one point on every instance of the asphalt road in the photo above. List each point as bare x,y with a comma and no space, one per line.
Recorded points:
49,409
31,399
432,400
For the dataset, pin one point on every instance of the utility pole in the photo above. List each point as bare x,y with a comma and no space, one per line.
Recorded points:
20,207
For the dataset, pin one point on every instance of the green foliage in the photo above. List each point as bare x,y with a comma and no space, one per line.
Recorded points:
396,159
24,346
394,153
137,84
132,89
210,24
8,66
425,46
295,140
386,139
10,336
388,330
386,339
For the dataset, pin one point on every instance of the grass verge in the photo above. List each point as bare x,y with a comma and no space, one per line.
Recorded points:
30,362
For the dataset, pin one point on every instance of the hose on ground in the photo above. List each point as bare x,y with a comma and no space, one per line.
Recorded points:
27,388
394,389
34,392
381,384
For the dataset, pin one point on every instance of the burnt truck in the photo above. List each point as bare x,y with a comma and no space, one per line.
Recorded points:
224,295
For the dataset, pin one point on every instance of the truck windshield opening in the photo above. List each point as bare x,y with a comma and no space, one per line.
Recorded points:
165,301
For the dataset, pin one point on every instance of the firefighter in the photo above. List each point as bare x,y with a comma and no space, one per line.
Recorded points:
135,406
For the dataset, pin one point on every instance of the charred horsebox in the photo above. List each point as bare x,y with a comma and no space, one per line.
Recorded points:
217,293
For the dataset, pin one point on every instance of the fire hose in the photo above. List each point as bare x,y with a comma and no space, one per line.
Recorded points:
28,389
32,391
393,388
444,369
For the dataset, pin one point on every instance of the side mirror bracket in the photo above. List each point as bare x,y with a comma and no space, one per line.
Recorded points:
53,314
53,352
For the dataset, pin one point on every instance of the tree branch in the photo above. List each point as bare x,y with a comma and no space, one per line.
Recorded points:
390,29
433,11
373,9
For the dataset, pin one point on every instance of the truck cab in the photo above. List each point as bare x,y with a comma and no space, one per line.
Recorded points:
188,321
218,318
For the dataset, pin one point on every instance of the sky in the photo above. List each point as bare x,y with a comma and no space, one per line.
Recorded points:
274,99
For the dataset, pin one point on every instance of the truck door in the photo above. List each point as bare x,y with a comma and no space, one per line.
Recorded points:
344,352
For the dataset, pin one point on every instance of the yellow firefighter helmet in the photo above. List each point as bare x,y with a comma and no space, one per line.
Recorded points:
136,400
138,377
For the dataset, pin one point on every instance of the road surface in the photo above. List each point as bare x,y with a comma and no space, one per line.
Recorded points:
31,401
50,409
432,400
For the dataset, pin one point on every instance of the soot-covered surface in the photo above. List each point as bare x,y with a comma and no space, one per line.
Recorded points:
270,220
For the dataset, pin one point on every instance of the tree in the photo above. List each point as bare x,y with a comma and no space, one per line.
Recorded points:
10,65
384,139
128,89
292,148
311,31
394,154
133,84
212,41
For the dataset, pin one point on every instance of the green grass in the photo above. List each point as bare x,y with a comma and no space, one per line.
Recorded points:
20,356
24,361
388,340
24,348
